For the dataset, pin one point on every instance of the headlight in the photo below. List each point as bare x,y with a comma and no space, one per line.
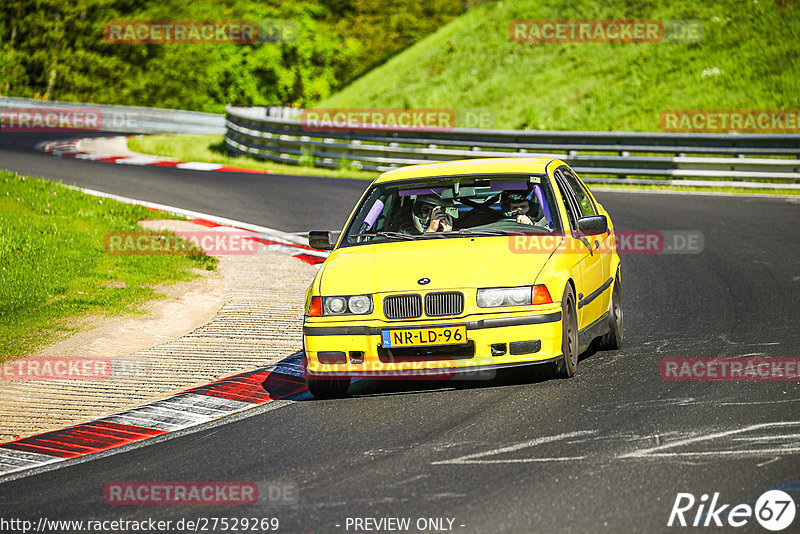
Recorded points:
334,305
356,304
494,297
359,304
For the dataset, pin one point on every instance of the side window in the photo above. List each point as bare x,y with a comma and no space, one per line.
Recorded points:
584,200
570,202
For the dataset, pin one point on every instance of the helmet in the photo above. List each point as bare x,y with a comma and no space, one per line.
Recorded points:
421,210
512,196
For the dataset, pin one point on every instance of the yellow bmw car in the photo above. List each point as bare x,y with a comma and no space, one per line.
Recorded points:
462,267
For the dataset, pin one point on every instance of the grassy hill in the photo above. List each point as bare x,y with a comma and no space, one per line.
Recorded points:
748,59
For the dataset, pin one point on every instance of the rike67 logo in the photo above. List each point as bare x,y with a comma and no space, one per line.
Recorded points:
774,510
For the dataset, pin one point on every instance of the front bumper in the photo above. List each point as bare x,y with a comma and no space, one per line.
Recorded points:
337,349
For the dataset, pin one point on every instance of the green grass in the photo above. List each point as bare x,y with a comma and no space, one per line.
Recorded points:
471,63
211,148
53,264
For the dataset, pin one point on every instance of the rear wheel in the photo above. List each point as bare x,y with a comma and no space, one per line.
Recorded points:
613,339
566,366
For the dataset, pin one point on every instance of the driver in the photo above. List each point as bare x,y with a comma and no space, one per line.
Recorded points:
429,215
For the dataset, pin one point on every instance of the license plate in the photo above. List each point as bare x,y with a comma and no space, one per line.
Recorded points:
418,337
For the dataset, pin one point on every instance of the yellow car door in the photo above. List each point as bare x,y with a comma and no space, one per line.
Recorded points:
597,242
590,291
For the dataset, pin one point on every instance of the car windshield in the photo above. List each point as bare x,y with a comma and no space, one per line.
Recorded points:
465,206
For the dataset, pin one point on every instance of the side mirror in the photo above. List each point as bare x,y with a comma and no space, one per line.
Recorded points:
320,240
593,225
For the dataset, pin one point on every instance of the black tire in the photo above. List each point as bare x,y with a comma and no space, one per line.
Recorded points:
566,366
613,339
328,388
325,388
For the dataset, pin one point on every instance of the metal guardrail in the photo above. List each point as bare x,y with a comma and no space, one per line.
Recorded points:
130,119
265,134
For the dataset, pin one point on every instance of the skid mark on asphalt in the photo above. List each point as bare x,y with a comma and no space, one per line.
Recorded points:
407,481
415,447
765,439
681,401
770,441
720,344
480,457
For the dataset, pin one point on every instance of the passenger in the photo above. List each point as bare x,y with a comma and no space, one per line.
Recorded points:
515,205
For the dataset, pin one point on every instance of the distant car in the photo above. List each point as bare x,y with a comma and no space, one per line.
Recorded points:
441,269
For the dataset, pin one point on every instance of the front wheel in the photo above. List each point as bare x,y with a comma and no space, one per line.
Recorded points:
325,388
328,388
566,366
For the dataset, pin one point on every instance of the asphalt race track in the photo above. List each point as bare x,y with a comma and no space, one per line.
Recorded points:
607,450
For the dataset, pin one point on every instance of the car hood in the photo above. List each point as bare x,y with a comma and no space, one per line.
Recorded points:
448,263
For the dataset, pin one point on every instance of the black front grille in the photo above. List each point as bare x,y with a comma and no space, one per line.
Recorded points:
402,306
430,354
441,304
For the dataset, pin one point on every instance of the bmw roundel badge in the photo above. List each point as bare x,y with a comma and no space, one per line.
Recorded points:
424,281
